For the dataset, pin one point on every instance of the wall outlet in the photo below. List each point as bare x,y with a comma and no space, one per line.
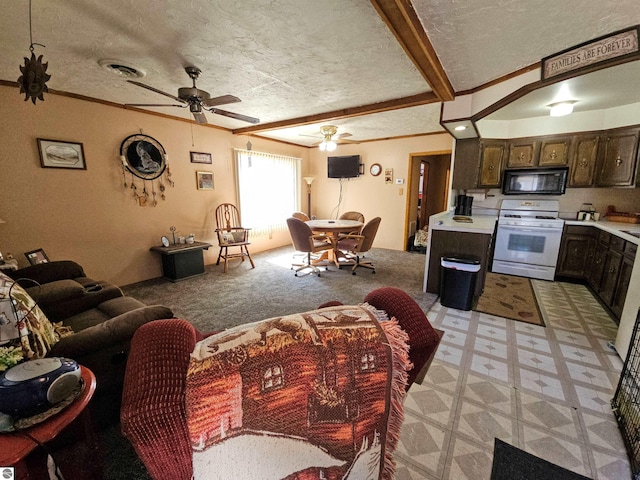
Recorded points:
399,181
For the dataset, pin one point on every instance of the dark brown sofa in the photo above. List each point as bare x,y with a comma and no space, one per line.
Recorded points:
102,318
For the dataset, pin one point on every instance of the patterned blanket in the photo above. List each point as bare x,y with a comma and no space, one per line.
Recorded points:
315,395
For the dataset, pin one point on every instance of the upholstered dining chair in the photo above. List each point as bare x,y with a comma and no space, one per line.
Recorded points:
304,240
301,216
231,234
357,216
353,246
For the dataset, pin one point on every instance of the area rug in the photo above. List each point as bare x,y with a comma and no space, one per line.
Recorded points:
511,297
511,463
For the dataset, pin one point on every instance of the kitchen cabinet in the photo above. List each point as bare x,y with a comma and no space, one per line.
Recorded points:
617,158
554,152
447,242
624,278
492,153
583,161
465,172
576,251
522,153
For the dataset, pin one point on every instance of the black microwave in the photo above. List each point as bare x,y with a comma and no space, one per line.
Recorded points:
542,181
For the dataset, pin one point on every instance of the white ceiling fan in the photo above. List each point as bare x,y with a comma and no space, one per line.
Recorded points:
330,138
197,100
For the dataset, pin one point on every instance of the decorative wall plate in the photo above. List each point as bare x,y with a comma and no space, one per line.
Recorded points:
143,156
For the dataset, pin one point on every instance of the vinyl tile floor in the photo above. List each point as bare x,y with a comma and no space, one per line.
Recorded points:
546,390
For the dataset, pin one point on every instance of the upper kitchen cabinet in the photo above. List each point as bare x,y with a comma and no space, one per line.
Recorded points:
522,153
554,151
583,161
492,154
465,170
617,158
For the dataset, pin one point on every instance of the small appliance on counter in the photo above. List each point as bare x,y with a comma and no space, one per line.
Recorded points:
34,386
463,205
587,212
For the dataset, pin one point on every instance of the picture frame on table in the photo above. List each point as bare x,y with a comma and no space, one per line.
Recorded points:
36,257
61,154
204,180
201,157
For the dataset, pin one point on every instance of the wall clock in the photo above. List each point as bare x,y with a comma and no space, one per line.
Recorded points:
375,169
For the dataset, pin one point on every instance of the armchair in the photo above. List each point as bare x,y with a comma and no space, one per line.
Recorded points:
153,403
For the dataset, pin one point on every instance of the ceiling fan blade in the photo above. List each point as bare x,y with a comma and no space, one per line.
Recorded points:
237,116
222,100
342,140
154,105
200,117
308,135
177,99
343,135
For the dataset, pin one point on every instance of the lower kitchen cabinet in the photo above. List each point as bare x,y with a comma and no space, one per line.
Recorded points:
604,260
576,251
447,242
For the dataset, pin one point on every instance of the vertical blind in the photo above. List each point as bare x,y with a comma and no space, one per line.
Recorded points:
268,189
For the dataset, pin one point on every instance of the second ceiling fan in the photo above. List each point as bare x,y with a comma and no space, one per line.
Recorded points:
197,100
330,139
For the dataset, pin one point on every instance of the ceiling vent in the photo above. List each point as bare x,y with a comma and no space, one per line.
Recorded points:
122,69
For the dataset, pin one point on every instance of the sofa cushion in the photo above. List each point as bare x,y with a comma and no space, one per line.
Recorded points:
95,329
37,334
54,292
102,312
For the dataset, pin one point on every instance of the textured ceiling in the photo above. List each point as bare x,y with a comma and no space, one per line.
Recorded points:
295,64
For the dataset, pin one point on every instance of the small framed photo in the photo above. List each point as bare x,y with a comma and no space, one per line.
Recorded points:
57,154
204,180
36,257
199,157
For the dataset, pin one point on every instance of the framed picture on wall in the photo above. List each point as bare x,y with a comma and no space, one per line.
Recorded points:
200,157
204,180
36,257
57,154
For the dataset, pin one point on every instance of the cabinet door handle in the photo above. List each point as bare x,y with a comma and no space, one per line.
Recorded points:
583,163
553,155
618,161
491,167
612,270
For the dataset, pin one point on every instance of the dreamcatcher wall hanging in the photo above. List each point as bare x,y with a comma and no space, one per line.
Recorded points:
144,158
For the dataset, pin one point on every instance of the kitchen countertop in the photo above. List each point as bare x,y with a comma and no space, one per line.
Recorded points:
479,224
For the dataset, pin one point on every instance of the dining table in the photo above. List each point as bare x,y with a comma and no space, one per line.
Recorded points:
333,228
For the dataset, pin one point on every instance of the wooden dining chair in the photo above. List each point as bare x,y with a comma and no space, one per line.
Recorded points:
231,234
353,246
304,240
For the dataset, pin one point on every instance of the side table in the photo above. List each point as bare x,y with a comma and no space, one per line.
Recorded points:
15,447
182,260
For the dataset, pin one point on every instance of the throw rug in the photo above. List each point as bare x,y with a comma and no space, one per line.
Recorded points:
511,463
511,297
312,395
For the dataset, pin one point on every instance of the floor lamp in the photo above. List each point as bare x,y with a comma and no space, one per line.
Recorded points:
309,180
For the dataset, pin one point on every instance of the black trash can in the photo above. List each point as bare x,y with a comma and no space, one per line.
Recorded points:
458,276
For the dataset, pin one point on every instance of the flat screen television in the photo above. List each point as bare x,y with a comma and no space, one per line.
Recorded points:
347,166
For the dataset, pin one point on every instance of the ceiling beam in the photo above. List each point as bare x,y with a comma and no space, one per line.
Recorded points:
405,102
404,23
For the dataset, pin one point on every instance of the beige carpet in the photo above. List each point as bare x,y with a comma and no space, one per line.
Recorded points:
511,297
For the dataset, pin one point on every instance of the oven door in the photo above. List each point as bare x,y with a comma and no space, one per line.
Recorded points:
528,245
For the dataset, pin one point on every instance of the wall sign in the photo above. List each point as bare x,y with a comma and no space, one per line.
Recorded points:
618,45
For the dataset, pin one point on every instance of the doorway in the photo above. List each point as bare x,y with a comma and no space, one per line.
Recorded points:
428,191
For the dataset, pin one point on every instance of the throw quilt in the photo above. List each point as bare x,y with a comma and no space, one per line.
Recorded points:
315,395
